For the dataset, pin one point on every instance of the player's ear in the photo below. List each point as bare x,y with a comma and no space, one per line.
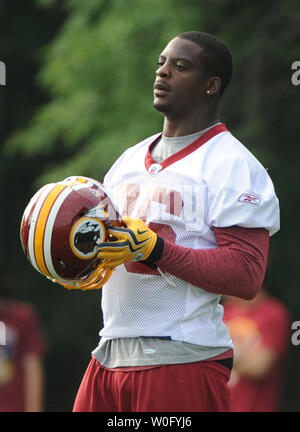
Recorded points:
213,85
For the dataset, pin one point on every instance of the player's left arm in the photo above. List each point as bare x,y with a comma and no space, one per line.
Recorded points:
236,267
243,213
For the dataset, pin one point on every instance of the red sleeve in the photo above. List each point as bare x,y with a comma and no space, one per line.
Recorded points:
236,267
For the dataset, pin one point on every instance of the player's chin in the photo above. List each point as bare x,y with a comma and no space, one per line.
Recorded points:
160,105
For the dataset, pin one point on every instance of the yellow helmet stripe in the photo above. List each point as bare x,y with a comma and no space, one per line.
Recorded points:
41,225
50,225
49,229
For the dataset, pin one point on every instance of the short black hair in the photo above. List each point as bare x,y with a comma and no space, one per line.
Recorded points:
216,56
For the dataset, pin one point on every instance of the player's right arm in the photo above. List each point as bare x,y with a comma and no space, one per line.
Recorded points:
235,268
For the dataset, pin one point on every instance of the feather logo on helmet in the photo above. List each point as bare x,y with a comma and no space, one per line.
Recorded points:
84,236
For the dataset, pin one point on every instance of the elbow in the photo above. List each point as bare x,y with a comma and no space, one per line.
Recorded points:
250,294
250,289
252,281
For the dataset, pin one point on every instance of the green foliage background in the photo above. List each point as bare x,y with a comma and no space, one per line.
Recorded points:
79,92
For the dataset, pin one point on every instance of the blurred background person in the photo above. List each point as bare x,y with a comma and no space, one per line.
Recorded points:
21,355
260,330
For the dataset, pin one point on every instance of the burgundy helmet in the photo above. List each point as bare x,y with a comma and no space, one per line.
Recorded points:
61,228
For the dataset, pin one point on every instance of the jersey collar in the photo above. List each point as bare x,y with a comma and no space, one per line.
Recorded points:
149,161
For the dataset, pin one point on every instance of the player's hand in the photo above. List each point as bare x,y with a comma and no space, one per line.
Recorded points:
134,242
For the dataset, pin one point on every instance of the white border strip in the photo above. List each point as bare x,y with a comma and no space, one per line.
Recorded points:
33,220
49,229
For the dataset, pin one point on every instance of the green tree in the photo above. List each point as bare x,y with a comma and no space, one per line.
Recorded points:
99,73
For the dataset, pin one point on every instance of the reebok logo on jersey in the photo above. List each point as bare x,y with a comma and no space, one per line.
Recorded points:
249,198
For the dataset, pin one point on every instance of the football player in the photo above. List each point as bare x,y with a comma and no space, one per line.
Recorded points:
198,211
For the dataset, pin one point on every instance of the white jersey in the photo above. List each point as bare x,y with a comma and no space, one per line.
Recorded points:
213,182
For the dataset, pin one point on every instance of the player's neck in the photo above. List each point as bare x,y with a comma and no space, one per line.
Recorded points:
174,127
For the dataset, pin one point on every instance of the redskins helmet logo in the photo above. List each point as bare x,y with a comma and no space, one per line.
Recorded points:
61,227
85,235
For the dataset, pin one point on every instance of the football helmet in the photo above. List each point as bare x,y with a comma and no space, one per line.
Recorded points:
61,227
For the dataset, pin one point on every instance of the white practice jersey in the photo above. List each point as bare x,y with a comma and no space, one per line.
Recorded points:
213,182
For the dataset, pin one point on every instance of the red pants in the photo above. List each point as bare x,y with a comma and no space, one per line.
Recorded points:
190,387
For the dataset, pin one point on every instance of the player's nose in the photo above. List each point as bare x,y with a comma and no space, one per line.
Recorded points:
163,71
